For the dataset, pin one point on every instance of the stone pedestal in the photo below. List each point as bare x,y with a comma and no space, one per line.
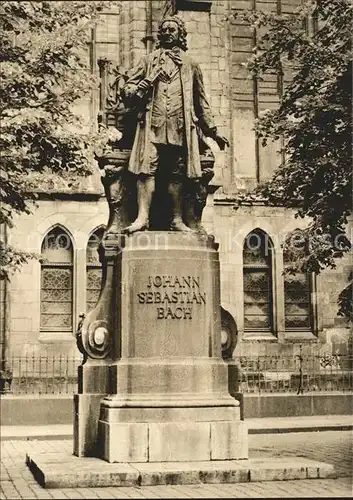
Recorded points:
95,380
168,392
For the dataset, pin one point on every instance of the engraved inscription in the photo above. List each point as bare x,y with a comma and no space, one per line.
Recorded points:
176,296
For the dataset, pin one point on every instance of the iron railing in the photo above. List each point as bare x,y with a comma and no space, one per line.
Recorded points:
299,374
33,374
302,373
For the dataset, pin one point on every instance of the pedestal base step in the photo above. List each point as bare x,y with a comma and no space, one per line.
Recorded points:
61,470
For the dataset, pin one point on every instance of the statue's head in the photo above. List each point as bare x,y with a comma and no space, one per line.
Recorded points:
171,33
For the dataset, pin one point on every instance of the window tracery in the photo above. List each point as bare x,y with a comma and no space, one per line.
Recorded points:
56,281
257,275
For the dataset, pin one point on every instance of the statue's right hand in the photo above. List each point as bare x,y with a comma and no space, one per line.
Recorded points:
143,85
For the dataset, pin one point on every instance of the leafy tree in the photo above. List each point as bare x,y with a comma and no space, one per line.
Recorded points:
44,71
313,121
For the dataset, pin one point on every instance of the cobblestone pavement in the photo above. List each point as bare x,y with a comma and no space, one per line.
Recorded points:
332,447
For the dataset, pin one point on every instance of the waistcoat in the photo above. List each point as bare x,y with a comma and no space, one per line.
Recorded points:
167,107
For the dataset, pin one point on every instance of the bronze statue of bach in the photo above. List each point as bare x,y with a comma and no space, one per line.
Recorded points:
167,89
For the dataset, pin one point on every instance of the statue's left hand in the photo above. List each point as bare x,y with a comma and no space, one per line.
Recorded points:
221,141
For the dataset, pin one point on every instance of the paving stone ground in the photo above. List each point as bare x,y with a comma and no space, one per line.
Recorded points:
331,447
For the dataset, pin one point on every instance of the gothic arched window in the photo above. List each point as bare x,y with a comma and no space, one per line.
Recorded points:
297,286
56,281
257,273
93,269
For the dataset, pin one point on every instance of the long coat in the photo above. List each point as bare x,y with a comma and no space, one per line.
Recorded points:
196,112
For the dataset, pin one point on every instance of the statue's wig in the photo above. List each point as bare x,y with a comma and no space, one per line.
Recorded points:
182,43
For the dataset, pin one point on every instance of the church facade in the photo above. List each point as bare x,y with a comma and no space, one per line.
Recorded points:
274,313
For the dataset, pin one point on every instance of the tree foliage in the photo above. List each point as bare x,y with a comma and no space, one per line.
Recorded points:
12,259
313,121
44,70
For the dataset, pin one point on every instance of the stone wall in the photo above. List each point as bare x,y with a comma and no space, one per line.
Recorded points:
231,225
79,219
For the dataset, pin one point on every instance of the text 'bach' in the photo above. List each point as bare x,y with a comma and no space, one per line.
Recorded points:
176,295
